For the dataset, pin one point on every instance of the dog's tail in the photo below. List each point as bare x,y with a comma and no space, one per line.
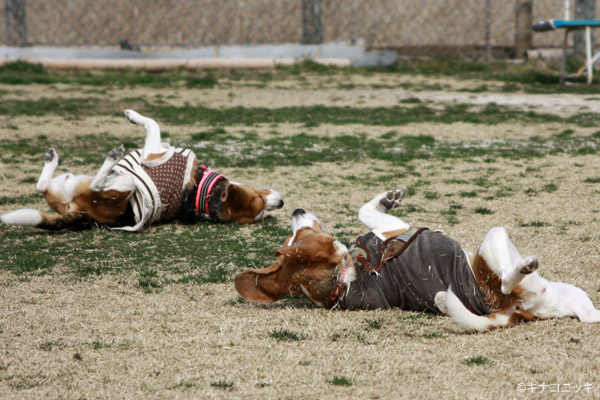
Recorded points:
25,217
471,322
38,219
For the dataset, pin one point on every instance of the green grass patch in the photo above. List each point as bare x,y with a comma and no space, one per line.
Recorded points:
31,263
339,381
50,345
24,73
420,319
469,194
530,78
310,116
534,224
286,335
483,211
222,384
245,149
374,323
432,195
478,360
433,335
21,200
164,255
491,114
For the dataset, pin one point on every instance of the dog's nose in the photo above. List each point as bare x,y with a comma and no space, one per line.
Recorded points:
280,204
298,212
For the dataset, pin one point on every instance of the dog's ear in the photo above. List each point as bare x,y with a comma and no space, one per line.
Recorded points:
312,247
262,285
225,193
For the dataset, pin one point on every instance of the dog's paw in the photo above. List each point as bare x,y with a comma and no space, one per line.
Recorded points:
117,153
392,199
133,116
51,156
440,302
528,265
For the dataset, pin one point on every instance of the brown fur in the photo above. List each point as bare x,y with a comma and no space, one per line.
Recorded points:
490,284
233,203
499,303
242,203
306,267
309,267
395,233
106,207
154,156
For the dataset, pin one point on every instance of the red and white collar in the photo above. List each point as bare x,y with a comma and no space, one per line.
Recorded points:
205,187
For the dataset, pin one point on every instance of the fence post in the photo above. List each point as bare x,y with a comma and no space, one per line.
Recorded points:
584,9
488,30
16,25
312,23
524,34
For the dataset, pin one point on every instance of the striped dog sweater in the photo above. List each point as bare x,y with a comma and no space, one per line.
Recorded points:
159,185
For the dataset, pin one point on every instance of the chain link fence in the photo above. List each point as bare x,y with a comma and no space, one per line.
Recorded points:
491,29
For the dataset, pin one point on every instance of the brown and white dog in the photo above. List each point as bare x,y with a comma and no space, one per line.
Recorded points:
156,184
414,270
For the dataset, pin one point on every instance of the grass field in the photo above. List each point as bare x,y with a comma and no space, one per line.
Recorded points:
103,314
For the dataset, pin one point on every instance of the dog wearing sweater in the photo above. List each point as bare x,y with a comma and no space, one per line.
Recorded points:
156,184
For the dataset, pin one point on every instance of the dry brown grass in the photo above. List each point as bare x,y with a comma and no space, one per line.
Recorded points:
102,337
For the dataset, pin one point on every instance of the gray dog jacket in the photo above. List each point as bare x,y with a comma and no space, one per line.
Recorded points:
431,262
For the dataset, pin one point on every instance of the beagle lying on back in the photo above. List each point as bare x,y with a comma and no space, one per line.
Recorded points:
156,184
396,265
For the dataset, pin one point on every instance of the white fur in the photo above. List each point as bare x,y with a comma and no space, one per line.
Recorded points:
98,183
466,319
373,215
440,302
260,216
64,185
25,217
47,172
274,200
302,220
548,299
153,144
541,297
503,258
307,294
350,270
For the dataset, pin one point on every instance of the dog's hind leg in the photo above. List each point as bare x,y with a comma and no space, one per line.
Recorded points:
373,214
504,259
153,144
50,164
451,304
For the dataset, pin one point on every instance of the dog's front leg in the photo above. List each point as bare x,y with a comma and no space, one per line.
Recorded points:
373,214
99,182
50,164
